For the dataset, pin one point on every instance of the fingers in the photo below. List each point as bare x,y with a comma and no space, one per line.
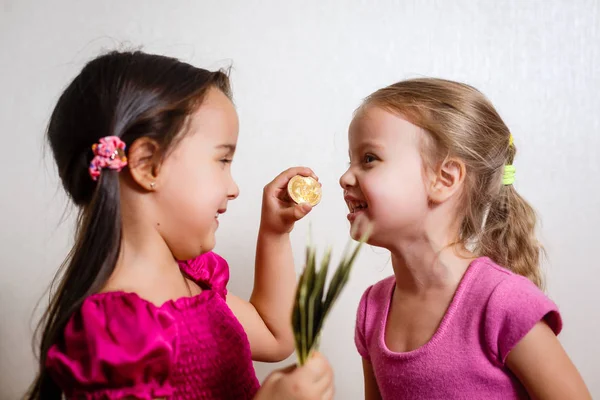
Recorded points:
296,212
288,369
316,370
281,181
313,381
321,369
319,377
328,395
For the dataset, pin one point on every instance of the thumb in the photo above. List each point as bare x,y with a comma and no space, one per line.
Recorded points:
315,369
299,211
288,369
280,373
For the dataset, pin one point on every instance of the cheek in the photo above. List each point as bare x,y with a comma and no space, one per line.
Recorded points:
196,196
187,203
395,196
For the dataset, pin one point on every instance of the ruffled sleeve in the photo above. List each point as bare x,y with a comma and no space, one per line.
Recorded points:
117,345
210,269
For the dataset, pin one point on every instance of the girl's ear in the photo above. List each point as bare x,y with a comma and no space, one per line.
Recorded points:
447,180
144,162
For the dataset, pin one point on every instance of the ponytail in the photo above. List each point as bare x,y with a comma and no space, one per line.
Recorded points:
86,270
508,236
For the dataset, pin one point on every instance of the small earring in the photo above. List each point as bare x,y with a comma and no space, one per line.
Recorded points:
152,185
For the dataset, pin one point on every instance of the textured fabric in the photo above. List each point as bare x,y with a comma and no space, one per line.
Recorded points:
492,310
120,345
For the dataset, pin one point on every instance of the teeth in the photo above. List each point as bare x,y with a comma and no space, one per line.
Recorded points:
356,205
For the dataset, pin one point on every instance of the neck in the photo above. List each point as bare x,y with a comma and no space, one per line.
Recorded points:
144,255
144,248
423,265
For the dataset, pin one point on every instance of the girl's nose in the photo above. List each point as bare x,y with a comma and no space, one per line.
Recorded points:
347,180
234,191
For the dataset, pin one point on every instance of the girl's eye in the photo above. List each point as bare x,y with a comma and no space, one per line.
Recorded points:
226,161
369,158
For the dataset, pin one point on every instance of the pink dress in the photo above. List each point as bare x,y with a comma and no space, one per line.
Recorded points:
492,310
120,345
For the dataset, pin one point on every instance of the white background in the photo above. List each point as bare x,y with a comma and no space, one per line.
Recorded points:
299,70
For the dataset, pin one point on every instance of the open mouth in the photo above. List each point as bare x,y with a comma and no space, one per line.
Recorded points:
219,212
356,208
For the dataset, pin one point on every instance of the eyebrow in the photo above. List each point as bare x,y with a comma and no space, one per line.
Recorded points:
229,147
365,145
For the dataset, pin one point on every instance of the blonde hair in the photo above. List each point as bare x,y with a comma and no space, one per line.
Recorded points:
461,122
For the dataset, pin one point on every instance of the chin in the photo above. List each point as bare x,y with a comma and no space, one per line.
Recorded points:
199,249
376,242
376,239
360,227
208,246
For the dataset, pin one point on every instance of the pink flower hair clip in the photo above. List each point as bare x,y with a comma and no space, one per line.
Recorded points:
109,153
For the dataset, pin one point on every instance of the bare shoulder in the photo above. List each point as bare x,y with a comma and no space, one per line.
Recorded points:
156,288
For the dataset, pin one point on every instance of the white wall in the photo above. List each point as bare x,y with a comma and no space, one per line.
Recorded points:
300,68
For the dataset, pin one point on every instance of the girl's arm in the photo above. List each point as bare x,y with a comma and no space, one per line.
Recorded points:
544,368
371,388
266,318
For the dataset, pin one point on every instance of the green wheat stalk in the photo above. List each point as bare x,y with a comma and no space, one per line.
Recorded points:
312,304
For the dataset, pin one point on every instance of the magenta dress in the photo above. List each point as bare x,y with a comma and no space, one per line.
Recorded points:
119,345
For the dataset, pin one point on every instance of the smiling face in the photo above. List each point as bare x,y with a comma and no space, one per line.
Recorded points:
384,184
195,178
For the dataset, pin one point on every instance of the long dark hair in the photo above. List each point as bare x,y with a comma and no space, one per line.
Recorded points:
124,94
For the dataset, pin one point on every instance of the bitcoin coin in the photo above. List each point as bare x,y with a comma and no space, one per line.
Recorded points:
304,189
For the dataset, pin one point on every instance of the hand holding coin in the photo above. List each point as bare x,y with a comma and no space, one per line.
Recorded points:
288,198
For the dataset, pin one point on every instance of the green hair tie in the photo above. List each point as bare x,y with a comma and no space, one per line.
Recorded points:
509,175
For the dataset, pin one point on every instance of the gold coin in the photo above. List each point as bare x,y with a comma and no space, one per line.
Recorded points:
304,189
